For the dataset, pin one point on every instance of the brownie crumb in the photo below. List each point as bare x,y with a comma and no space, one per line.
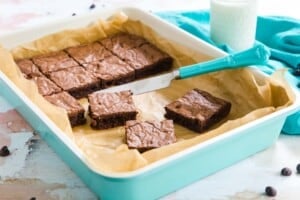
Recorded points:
4,151
286,171
32,198
270,191
298,168
92,6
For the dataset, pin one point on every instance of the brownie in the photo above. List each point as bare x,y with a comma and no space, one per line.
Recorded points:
197,110
71,105
89,53
108,110
46,86
146,60
28,68
149,134
123,42
111,71
53,62
76,80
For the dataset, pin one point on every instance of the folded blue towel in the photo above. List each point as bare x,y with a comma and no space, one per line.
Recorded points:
280,34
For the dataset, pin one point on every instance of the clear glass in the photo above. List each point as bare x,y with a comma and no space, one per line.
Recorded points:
233,22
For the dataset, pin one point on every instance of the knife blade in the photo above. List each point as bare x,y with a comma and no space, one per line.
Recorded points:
257,55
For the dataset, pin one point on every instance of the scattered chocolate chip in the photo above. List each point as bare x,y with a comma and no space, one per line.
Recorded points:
32,198
73,14
92,6
270,191
298,168
286,171
4,151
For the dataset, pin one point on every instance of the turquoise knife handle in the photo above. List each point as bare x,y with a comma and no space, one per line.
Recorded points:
257,55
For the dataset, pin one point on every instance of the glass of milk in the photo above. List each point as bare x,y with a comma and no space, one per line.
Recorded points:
233,22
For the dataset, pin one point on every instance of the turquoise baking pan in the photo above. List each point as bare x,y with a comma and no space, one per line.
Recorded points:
168,174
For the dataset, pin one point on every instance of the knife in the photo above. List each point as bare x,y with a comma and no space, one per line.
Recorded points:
257,55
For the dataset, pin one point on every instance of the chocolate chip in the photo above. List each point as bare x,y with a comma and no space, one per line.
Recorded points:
4,151
286,171
92,6
270,191
32,198
73,14
298,168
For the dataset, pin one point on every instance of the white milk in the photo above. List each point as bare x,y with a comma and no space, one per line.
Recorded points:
233,22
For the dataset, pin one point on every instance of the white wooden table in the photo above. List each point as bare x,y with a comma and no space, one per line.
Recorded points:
34,170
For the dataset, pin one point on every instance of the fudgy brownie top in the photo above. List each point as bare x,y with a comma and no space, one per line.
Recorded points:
197,104
46,86
89,53
197,110
66,101
72,78
142,56
54,61
110,68
123,41
149,134
107,104
28,68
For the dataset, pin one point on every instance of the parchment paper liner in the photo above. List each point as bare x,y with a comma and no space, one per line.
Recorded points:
105,150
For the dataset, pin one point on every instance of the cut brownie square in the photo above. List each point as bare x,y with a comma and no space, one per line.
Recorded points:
46,86
76,80
89,53
123,41
149,134
146,60
74,108
54,61
28,68
111,71
108,110
197,110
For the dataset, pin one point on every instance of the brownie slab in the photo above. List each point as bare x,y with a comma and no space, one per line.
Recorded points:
146,60
108,110
28,68
53,62
111,71
89,53
76,80
149,134
123,41
46,86
74,109
197,110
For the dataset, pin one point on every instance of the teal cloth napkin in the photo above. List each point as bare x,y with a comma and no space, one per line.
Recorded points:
280,34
